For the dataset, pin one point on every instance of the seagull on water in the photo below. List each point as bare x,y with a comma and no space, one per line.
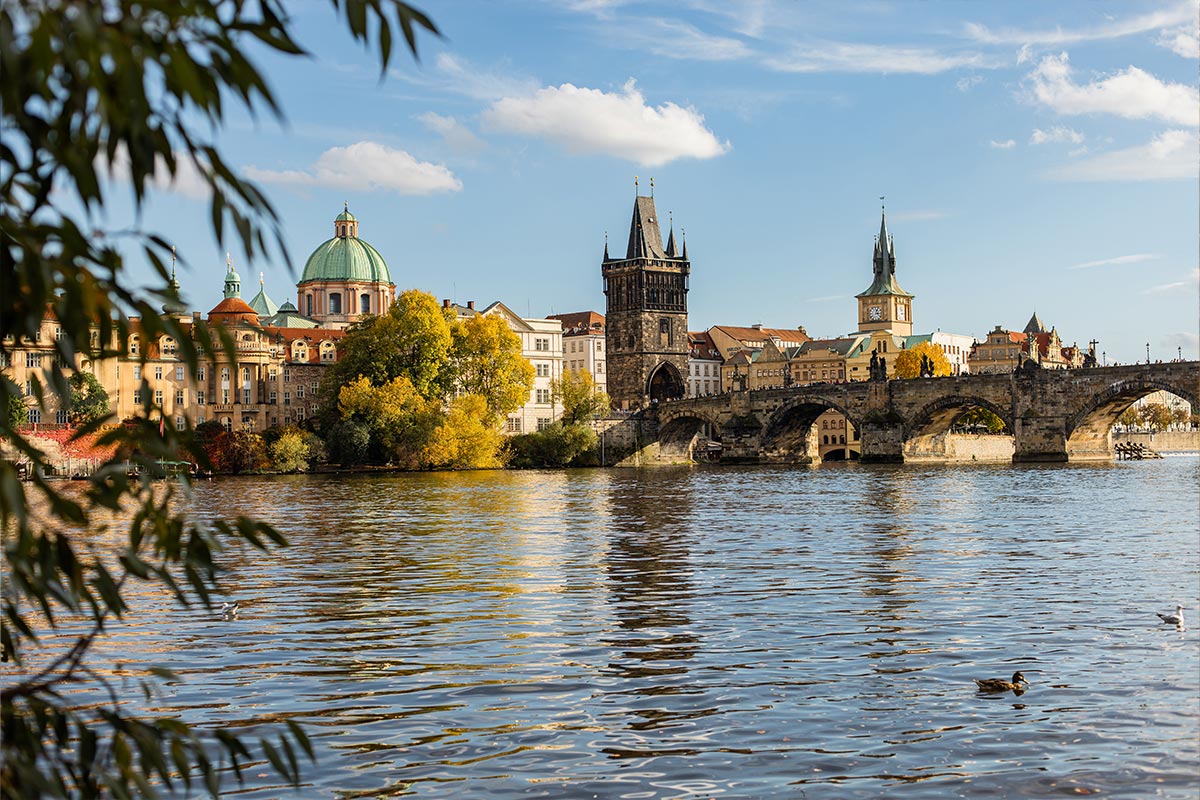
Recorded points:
230,610
1173,619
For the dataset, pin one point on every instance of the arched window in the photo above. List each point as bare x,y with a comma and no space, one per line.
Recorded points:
335,303
309,304
364,303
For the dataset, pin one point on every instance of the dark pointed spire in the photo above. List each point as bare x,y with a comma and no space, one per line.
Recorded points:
606,258
671,239
683,231
645,238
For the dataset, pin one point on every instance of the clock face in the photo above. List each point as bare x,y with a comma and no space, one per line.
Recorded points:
874,312
900,312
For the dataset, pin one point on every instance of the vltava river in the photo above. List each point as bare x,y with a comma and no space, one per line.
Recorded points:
709,632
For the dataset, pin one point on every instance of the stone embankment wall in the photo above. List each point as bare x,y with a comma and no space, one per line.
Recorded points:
1163,441
979,447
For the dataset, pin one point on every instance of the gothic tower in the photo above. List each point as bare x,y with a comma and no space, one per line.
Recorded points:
646,314
884,306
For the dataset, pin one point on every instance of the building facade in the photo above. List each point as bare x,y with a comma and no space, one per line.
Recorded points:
583,345
646,314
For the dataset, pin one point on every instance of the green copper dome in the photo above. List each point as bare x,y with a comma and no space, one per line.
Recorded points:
345,257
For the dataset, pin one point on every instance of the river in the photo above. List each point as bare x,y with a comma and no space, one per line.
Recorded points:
708,632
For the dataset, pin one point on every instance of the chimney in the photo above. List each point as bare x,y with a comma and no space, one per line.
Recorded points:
471,305
757,326
446,303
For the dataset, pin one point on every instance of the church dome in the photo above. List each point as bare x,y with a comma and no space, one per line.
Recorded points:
345,257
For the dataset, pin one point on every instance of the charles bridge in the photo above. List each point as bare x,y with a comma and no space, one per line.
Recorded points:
1053,415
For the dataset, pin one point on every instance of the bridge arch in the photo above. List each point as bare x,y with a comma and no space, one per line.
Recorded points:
790,433
1089,429
686,436
926,433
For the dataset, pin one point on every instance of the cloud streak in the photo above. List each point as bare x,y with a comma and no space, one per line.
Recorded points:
1135,258
826,56
1181,13
1173,155
619,124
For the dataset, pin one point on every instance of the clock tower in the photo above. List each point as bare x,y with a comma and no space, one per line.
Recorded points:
884,306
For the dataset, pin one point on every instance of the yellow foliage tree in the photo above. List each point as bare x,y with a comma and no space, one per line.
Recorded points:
465,439
486,360
400,420
581,400
908,362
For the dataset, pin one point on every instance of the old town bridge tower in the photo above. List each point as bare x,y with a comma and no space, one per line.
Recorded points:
646,314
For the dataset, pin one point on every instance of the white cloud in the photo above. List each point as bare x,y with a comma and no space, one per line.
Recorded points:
1188,284
1183,41
968,83
1188,341
824,56
467,79
618,124
366,166
1056,134
1132,93
1179,13
1172,155
1136,258
1007,144
458,137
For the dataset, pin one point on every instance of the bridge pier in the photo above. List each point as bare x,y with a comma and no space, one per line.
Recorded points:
1040,440
882,438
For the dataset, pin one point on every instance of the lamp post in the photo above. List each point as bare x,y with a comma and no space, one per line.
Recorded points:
1147,352
1180,352
1104,355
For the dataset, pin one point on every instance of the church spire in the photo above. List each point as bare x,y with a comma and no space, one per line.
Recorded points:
606,258
671,239
645,238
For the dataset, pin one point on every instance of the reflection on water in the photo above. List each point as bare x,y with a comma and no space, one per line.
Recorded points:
708,632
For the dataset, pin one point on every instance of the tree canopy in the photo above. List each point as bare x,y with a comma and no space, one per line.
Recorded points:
134,89
486,360
908,362
581,400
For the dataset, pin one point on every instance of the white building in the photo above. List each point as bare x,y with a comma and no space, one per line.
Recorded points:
542,346
704,365
583,345
957,347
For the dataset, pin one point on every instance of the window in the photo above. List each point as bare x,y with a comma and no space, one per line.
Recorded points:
287,375
225,374
246,397
328,351
543,396
308,305
200,373
5,360
179,373
364,303
158,397
599,346
137,397
58,333
299,414
133,345
335,303
199,397
272,373
541,344
168,346
158,373
312,387
61,416
543,370
227,424
543,423
273,397
245,374
513,425
179,397
35,416
179,423
33,360
225,396
300,391
287,398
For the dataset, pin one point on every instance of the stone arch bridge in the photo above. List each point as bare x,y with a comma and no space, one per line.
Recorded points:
1053,415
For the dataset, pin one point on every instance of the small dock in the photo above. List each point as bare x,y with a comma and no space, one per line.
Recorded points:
1133,451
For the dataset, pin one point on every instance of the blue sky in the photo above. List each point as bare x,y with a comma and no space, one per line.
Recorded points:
1036,156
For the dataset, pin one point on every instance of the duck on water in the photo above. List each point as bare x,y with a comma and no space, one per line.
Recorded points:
1018,684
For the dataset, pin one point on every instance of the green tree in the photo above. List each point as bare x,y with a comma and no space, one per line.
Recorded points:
398,420
981,416
1156,416
139,86
580,399
412,341
1181,415
486,360
1129,417
557,445
289,452
89,400
908,362
18,412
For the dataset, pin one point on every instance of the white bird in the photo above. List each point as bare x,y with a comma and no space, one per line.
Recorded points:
230,610
1173,619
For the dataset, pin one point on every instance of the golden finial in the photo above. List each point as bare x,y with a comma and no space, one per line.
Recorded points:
635,184
652,187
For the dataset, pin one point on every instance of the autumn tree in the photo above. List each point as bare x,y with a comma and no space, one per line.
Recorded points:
465,438
486,360
981,416
908,361
89,400
582,401
1130,417
399,421
289,451
139,89
1155,416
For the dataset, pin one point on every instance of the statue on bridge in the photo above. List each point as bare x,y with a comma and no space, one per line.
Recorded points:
878,369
